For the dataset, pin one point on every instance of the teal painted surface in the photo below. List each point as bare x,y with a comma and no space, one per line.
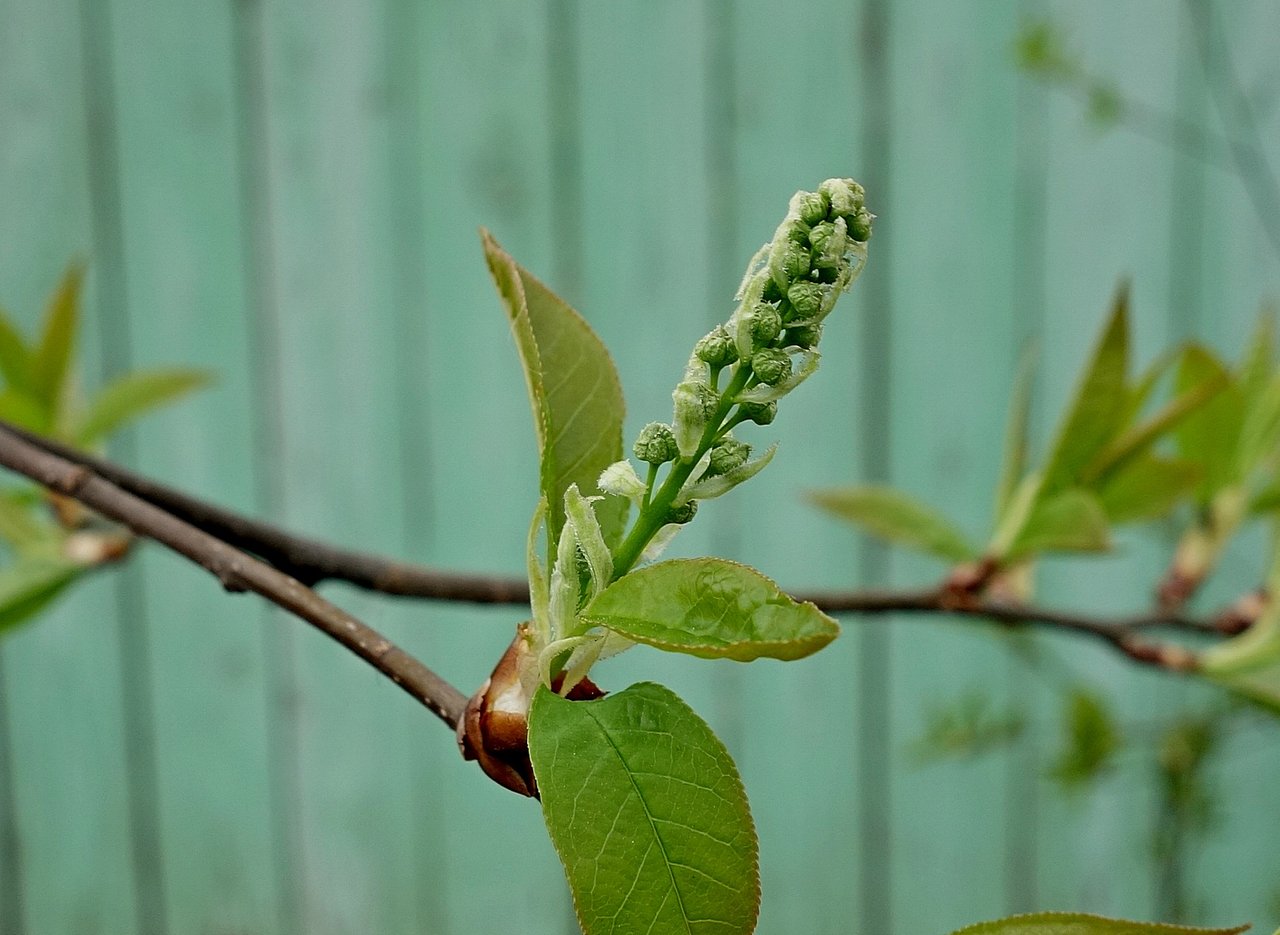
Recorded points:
289,194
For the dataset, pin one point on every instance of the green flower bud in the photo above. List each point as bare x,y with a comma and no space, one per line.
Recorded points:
806,299
727,455
813,207
798,231
860,225
772,366
656,444
683,513
760,413
846,196
716,348
806,336
771,292
788,263
765,323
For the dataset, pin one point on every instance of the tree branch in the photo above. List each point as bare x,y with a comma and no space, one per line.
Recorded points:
236,570
308,561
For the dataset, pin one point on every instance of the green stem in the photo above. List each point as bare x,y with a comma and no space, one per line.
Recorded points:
653,515
648,485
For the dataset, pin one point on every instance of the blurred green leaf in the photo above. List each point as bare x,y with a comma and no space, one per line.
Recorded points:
967,727
1013,465
52,357
23,411
30,584
1100,403
573,389
1105,105
887,513
1257,368
1250,663
1078,923
1090,740
1266,500
15,357
1211,435
1070,521
1040,50
711,608
1260,428
19,527
1147,488
131,396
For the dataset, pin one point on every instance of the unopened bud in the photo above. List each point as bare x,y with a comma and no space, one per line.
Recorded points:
806,299
860,225
716,348
812,207
765,324
695,405
683,513
656,444
787,263
846,196
806,336
772,366
760,413
727,455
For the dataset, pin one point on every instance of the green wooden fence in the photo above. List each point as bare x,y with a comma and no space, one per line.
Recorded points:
288,193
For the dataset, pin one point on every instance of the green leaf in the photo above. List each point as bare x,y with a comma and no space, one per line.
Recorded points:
1091,739
1099,406
29,585
646,810
131,396
23,411
1147,488
1211,436
19,526
1249,664
1260,427
1079,923
51,360
712,608
15,356
891,514
1014,463
1071,521
1137,440
573,389
1259,358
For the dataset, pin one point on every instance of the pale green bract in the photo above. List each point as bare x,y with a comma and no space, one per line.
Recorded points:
647,813
712,608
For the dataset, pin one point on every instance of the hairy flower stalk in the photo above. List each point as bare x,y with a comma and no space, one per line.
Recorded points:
767,347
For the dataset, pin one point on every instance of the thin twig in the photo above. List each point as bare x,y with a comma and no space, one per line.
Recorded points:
236,570
307,561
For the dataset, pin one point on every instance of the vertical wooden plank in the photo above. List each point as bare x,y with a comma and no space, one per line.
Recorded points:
796,735
1108,212
947,229
183,246
1240,269
70,781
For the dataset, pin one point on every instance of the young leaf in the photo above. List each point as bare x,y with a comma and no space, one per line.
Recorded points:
711,608
29,585
891,514
15,357
708,488
1260,428
1147,488
1250,663
1079,923
19,527
57,342
1099,406
1071,521
1014,463
646,810
573,389
581,516
131,396
1211,436
23,411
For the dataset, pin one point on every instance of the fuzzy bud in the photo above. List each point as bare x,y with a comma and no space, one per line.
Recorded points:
812,207
727,455
798,231
772,366
806,299
806,336
683,513
656,444
716,348
765,323
695,405
760,413
860,225
846,196
787,263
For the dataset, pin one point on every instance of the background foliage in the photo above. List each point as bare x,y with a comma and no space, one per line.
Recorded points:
288,195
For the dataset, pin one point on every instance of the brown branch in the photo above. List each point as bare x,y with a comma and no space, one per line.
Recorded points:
236,570
309,561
